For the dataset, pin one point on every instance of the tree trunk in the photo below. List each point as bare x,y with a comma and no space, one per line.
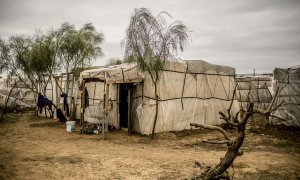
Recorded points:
219,171
156,110
6,102
73,101
231,154
67,84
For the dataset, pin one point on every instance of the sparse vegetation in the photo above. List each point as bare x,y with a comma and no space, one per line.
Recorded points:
28,141
34,60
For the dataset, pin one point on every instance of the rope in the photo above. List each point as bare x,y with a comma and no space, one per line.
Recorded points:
123,74
200,73
94,92
227,95
182,97
187,68
211,94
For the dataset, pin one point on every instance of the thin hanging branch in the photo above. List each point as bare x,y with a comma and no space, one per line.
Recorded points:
150,42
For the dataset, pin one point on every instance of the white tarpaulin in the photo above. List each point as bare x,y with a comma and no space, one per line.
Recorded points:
114,74
257,89
188,91
288,80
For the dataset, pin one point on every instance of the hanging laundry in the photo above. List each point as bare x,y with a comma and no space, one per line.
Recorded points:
66,106
43,102
86,98
60,115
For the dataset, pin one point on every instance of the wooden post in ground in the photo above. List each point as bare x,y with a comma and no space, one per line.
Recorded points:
105,112
129,112
106,121
118,106
82,107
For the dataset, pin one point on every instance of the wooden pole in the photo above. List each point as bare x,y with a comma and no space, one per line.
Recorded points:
82,108
57,94
118,106
105,111
104,117
106,121
128,113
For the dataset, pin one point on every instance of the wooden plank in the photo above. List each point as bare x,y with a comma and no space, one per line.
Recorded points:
129,112
106,121
105,111
118,106
104,117
82,108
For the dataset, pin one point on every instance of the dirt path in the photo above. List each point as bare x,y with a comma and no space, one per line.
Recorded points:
38,148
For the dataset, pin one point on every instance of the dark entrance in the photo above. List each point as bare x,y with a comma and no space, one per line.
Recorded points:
124,106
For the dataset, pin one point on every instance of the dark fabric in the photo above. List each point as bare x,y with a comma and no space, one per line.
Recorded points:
65,100
43,102
66,106
86,98
67,110
60,115
39,103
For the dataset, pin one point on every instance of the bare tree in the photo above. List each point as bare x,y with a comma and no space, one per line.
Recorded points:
238,121
150,42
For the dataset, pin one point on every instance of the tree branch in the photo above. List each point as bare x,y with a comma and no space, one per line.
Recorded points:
280,104
216,142
212,128
278,117
233,94
273,100
228,121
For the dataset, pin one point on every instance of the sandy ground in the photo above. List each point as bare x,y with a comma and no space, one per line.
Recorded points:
39,148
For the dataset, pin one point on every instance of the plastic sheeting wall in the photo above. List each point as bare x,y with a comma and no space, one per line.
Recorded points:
20,95
254,89
185,96
53,92
94,111
288,80
189,91
72,92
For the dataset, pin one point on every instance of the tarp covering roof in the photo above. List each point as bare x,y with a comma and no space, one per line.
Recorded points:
122,73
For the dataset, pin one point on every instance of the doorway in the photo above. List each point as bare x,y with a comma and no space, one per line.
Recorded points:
125,92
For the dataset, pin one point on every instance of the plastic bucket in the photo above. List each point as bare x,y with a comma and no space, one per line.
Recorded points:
70,126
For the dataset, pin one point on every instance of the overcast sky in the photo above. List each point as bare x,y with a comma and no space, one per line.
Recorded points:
244,34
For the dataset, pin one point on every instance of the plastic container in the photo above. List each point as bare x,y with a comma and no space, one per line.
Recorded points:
70,126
